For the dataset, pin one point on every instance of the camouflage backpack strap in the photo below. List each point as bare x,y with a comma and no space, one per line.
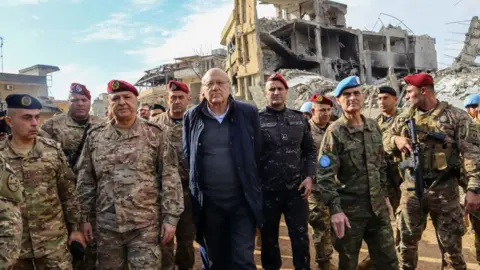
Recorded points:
11,188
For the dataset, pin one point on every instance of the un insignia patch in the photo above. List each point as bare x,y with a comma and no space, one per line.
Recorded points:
324,161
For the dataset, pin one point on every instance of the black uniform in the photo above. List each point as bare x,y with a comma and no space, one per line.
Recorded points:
289,155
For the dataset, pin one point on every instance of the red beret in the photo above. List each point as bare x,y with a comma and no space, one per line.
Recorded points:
76,88
178,86
278,77
115,86
419,80
321,100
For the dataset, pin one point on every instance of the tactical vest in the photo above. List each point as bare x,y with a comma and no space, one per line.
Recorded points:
11,188
440,159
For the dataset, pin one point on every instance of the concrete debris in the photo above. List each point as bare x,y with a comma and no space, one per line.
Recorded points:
455,85
269,24
471,49
303,84
271,60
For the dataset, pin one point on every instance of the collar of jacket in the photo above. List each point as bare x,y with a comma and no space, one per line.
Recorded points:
231,105
368,125
133,131
272,110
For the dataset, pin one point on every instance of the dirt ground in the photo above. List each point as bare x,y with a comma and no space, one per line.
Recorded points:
429,253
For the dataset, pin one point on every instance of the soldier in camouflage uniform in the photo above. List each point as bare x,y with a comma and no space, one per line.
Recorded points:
184,258
442,160
287,168
319,217
387,101
128,174
69,129
156,110
472,105
10,216
50,201
353,184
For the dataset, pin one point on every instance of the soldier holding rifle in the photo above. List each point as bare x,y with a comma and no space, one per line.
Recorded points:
447,142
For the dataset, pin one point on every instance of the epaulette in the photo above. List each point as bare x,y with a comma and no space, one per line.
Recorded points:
49,142
96,127
296,111
160,127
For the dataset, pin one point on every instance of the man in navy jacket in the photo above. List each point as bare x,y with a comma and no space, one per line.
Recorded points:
221,143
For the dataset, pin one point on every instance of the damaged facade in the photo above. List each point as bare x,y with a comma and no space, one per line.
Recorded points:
471,49
189,70
312,35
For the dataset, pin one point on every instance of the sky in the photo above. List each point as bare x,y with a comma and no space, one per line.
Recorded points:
93,41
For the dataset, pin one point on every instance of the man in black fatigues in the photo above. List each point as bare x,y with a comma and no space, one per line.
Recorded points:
287,168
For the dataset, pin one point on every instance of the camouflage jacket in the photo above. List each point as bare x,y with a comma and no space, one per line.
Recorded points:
50,198
10,216
176,139
317,133
355,157
384,125
288,151
63,129
460,149
130,178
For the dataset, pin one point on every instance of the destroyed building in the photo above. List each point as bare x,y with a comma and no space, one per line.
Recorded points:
189,70
471,49
312,35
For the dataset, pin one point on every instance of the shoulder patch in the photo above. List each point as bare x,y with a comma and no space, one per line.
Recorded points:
324,161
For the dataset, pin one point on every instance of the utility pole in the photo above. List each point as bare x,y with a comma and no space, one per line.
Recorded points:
1,51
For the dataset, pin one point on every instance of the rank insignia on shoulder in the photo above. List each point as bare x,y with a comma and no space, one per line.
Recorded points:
324,161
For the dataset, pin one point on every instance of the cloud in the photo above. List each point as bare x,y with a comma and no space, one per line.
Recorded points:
144,2
21,2
95,78
201,30
116,27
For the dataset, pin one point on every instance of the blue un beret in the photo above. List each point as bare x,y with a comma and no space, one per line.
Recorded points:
349,82
22,101
472,100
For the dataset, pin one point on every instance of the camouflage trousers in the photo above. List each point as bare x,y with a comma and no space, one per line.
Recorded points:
377,233
441,201
319,219
475,219
10,233
184,257
60,259
139,248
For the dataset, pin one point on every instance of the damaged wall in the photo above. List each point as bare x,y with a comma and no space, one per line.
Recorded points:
471,49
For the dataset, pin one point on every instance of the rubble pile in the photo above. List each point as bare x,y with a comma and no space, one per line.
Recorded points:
269,24
271,60
454,84
303,84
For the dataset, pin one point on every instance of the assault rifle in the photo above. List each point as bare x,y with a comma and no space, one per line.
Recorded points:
414,162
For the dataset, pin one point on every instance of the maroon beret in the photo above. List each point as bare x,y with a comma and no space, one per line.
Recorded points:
419,80
178,86
321,100
76,88
278,77
115,86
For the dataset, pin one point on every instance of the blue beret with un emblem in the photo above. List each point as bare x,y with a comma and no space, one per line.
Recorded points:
349,82
22,101
324,161
473,99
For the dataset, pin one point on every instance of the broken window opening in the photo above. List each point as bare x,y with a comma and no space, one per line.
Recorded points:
397,45
374,43
379,73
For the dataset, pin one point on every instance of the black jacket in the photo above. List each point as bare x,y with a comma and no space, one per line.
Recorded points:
289,153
